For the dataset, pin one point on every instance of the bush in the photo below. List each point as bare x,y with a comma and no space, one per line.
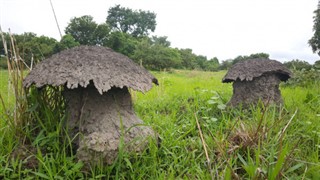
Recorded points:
304,78
298,65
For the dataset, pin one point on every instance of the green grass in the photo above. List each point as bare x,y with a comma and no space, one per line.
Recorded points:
269,143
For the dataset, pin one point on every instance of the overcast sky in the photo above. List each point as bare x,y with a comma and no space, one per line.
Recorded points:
213,28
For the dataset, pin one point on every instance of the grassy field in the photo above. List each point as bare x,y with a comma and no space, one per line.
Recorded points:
200,137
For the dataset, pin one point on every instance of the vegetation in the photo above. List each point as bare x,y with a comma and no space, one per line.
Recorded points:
199,137
85,31
136,23
314,42
270,142
125,31
298,65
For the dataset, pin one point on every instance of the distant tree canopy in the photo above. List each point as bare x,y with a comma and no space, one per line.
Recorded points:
229,62
154,55
297,64
87,32
314,42
125,31
135,23
31,46
122,42
252,56
188,59
66,42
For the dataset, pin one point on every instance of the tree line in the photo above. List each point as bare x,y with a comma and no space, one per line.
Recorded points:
126,31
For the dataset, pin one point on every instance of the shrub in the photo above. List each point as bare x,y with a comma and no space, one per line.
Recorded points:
304,78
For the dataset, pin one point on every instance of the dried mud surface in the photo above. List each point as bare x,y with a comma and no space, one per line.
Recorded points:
101,121
79,66
253,68
264,88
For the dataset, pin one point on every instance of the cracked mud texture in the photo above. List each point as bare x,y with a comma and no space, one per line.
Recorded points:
97,118
256,79
78,66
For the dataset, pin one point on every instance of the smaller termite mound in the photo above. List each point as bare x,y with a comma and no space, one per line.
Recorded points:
256,80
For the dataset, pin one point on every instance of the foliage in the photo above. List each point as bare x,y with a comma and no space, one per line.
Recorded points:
155,56
135,23
162,40
298,65
251,56
260,143
66,42
87,32
37,48
314,42
226,64
201,61
316,65
128,36
122,43
200,138
188,59
212,64
31,47
304,78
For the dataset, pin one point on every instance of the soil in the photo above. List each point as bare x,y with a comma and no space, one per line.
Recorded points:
100,121
264,88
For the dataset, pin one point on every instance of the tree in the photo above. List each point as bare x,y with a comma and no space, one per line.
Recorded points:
156,56
239,58
66,42
87,32
122,43
212,64
201,62
36,48
317,65
30,46
314,42
188,59
226,64
258,55
136,23
251,56
162,40
298,65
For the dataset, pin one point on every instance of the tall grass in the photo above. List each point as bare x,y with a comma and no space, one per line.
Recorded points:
15,116
199,137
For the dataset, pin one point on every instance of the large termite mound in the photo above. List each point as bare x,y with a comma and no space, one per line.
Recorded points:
100,111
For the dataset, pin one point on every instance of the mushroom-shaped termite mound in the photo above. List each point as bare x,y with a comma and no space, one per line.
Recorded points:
100,111
256,80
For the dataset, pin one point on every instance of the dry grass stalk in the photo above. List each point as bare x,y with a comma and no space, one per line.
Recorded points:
15,69
204,146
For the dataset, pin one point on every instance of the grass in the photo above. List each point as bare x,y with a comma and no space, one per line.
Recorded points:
261,143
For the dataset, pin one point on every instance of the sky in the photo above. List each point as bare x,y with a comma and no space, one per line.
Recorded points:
214,28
